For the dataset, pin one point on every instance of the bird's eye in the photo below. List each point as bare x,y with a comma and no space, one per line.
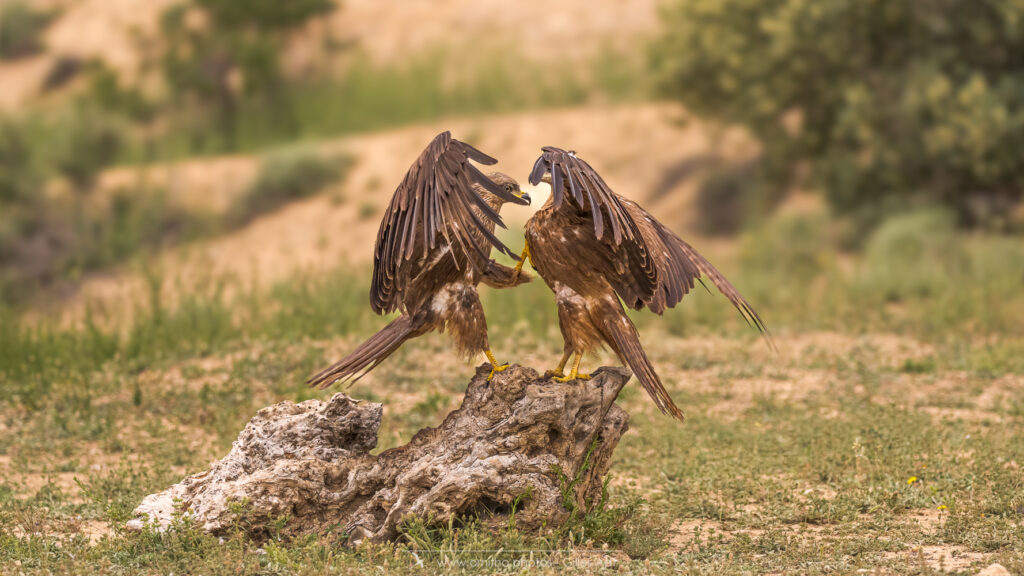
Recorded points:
508,188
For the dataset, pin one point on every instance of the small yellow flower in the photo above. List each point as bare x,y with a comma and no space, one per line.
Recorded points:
941,507
911,480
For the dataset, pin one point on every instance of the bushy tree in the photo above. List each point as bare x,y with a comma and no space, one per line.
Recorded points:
220,50
892,103
21,29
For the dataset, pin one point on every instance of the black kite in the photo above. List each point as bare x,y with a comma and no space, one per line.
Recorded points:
593,247
433,248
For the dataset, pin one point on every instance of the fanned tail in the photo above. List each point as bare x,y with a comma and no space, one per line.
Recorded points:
368,355
626,343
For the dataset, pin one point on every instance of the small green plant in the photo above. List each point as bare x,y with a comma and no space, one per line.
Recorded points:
21,29
283,178
367,210
88,141
592,522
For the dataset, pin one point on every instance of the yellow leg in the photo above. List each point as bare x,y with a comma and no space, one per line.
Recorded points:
575,374
522,260
495,367
560,371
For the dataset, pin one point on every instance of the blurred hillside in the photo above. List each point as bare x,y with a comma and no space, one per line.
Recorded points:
122,34
197,139
116,110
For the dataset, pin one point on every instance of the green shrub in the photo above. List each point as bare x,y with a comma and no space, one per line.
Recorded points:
730,196
56,240
235,53
917,255
87,141
18,176
895,103
21,28
285,177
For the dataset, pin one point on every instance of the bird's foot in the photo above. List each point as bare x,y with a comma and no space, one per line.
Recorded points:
559,373
522,260
495,368
573,375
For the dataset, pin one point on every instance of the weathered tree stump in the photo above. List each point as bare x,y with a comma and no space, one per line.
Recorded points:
517,435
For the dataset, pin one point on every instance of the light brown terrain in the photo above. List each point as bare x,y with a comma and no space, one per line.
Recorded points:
634,146
119,32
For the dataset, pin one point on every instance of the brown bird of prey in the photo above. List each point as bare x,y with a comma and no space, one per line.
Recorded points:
597,250
433,248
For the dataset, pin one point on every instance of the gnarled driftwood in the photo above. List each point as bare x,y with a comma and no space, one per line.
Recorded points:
311,462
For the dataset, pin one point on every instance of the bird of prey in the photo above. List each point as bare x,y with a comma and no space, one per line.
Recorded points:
597,250
433,249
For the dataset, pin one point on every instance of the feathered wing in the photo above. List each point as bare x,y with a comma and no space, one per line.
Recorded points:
680,266
646,263
432,212
630,266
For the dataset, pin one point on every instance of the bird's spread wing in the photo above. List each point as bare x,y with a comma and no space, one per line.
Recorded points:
588,192
644,261
680,266
630,267
432,211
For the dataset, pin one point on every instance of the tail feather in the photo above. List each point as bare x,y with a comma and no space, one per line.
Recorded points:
626,343
368,355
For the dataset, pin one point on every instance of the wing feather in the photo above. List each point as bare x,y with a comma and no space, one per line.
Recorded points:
434,209
645,262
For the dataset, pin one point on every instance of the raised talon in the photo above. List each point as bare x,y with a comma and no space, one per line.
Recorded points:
522,260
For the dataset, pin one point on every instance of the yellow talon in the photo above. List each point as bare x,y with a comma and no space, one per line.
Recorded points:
575,373
495,367
522,260
559,372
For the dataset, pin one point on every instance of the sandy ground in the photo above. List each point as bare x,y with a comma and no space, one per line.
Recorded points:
393,30
633,147
120,32
797,355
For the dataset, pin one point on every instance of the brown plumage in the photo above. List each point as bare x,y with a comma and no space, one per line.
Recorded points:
593,247
433,249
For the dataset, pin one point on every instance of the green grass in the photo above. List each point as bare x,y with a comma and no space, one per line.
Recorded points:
806,484
48,243
796,464
284,177
368,97
21,29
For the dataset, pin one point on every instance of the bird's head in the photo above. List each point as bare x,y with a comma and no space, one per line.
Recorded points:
510,185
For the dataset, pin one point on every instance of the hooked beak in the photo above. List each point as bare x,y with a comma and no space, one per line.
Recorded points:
521,197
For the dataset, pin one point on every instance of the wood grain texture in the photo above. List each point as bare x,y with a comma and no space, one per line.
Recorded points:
311,462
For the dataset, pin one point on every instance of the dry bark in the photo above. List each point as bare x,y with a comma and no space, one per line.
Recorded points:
517,435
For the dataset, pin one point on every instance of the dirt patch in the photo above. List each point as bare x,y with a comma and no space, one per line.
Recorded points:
942,558
120,32
687,534
392,31
92,530
930,519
